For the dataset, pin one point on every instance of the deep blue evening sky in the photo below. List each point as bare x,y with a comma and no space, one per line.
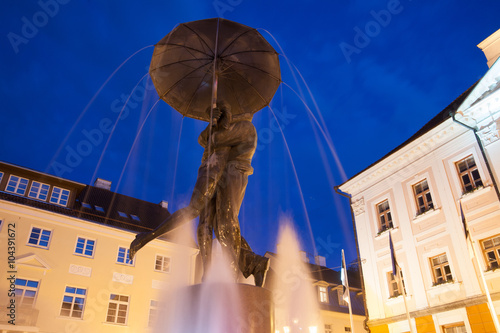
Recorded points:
377,70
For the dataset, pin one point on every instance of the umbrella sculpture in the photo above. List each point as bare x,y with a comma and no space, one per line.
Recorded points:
201,62
231,69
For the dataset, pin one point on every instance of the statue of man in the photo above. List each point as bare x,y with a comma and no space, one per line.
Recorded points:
218,193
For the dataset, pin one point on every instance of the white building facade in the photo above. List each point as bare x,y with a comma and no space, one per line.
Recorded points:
428,193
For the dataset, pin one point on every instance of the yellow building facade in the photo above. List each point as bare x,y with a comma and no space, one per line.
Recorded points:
64,256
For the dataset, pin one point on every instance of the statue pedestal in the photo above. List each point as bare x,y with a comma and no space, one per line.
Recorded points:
238,308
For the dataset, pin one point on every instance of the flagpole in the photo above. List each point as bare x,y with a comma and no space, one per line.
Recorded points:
400,284
348,292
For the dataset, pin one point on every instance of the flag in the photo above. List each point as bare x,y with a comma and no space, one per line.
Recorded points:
393,257
464,222
343,278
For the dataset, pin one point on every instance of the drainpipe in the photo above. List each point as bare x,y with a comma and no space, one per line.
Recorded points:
348,196
481,148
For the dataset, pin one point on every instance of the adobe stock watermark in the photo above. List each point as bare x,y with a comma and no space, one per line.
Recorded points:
30,27
94,137
371,29
266,135
223,6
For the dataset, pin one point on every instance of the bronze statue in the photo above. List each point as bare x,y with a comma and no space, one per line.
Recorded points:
229,144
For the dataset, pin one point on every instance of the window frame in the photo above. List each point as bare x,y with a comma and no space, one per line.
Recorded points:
37,196
441,266
73,296
328,328
469,170
153,313
16,187
340,297
391,280
39,238
85,247
454,325
387,212
126,260
496,251
323,294
118,303
428,204
59,198
24,289
162,270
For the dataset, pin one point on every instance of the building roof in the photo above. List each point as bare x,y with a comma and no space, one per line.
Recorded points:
93,204
441,117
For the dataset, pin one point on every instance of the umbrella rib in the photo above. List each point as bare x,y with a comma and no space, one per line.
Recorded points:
197,88
254,67
204,42
251,86
186,47
181,61
237,37
176,83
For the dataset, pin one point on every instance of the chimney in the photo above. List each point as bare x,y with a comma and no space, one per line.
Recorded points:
320,261
164,204
491,47
102,183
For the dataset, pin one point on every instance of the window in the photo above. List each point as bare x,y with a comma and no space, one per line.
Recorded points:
441,269
39,191
123,256
491,250
135,217
26,291
86,205
153,313
384,216
340,296
85,247
122,214
73,302
59,196
117,309
469,174
328,328
99,209
347,329
39,237
17,185
423,197
162,264
323,294
455,328
1,176
394,287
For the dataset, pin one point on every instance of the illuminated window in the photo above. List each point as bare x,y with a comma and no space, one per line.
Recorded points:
323,294
122,214
39,191
99,209
491,251
340,296
455,328
135,217
469,174
384,216
441,269
123,256
85,247
328,328
39,237
162,264
423,197
153,313
17,185
73,302
59,196
86,205
26,291
117,309
394,287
